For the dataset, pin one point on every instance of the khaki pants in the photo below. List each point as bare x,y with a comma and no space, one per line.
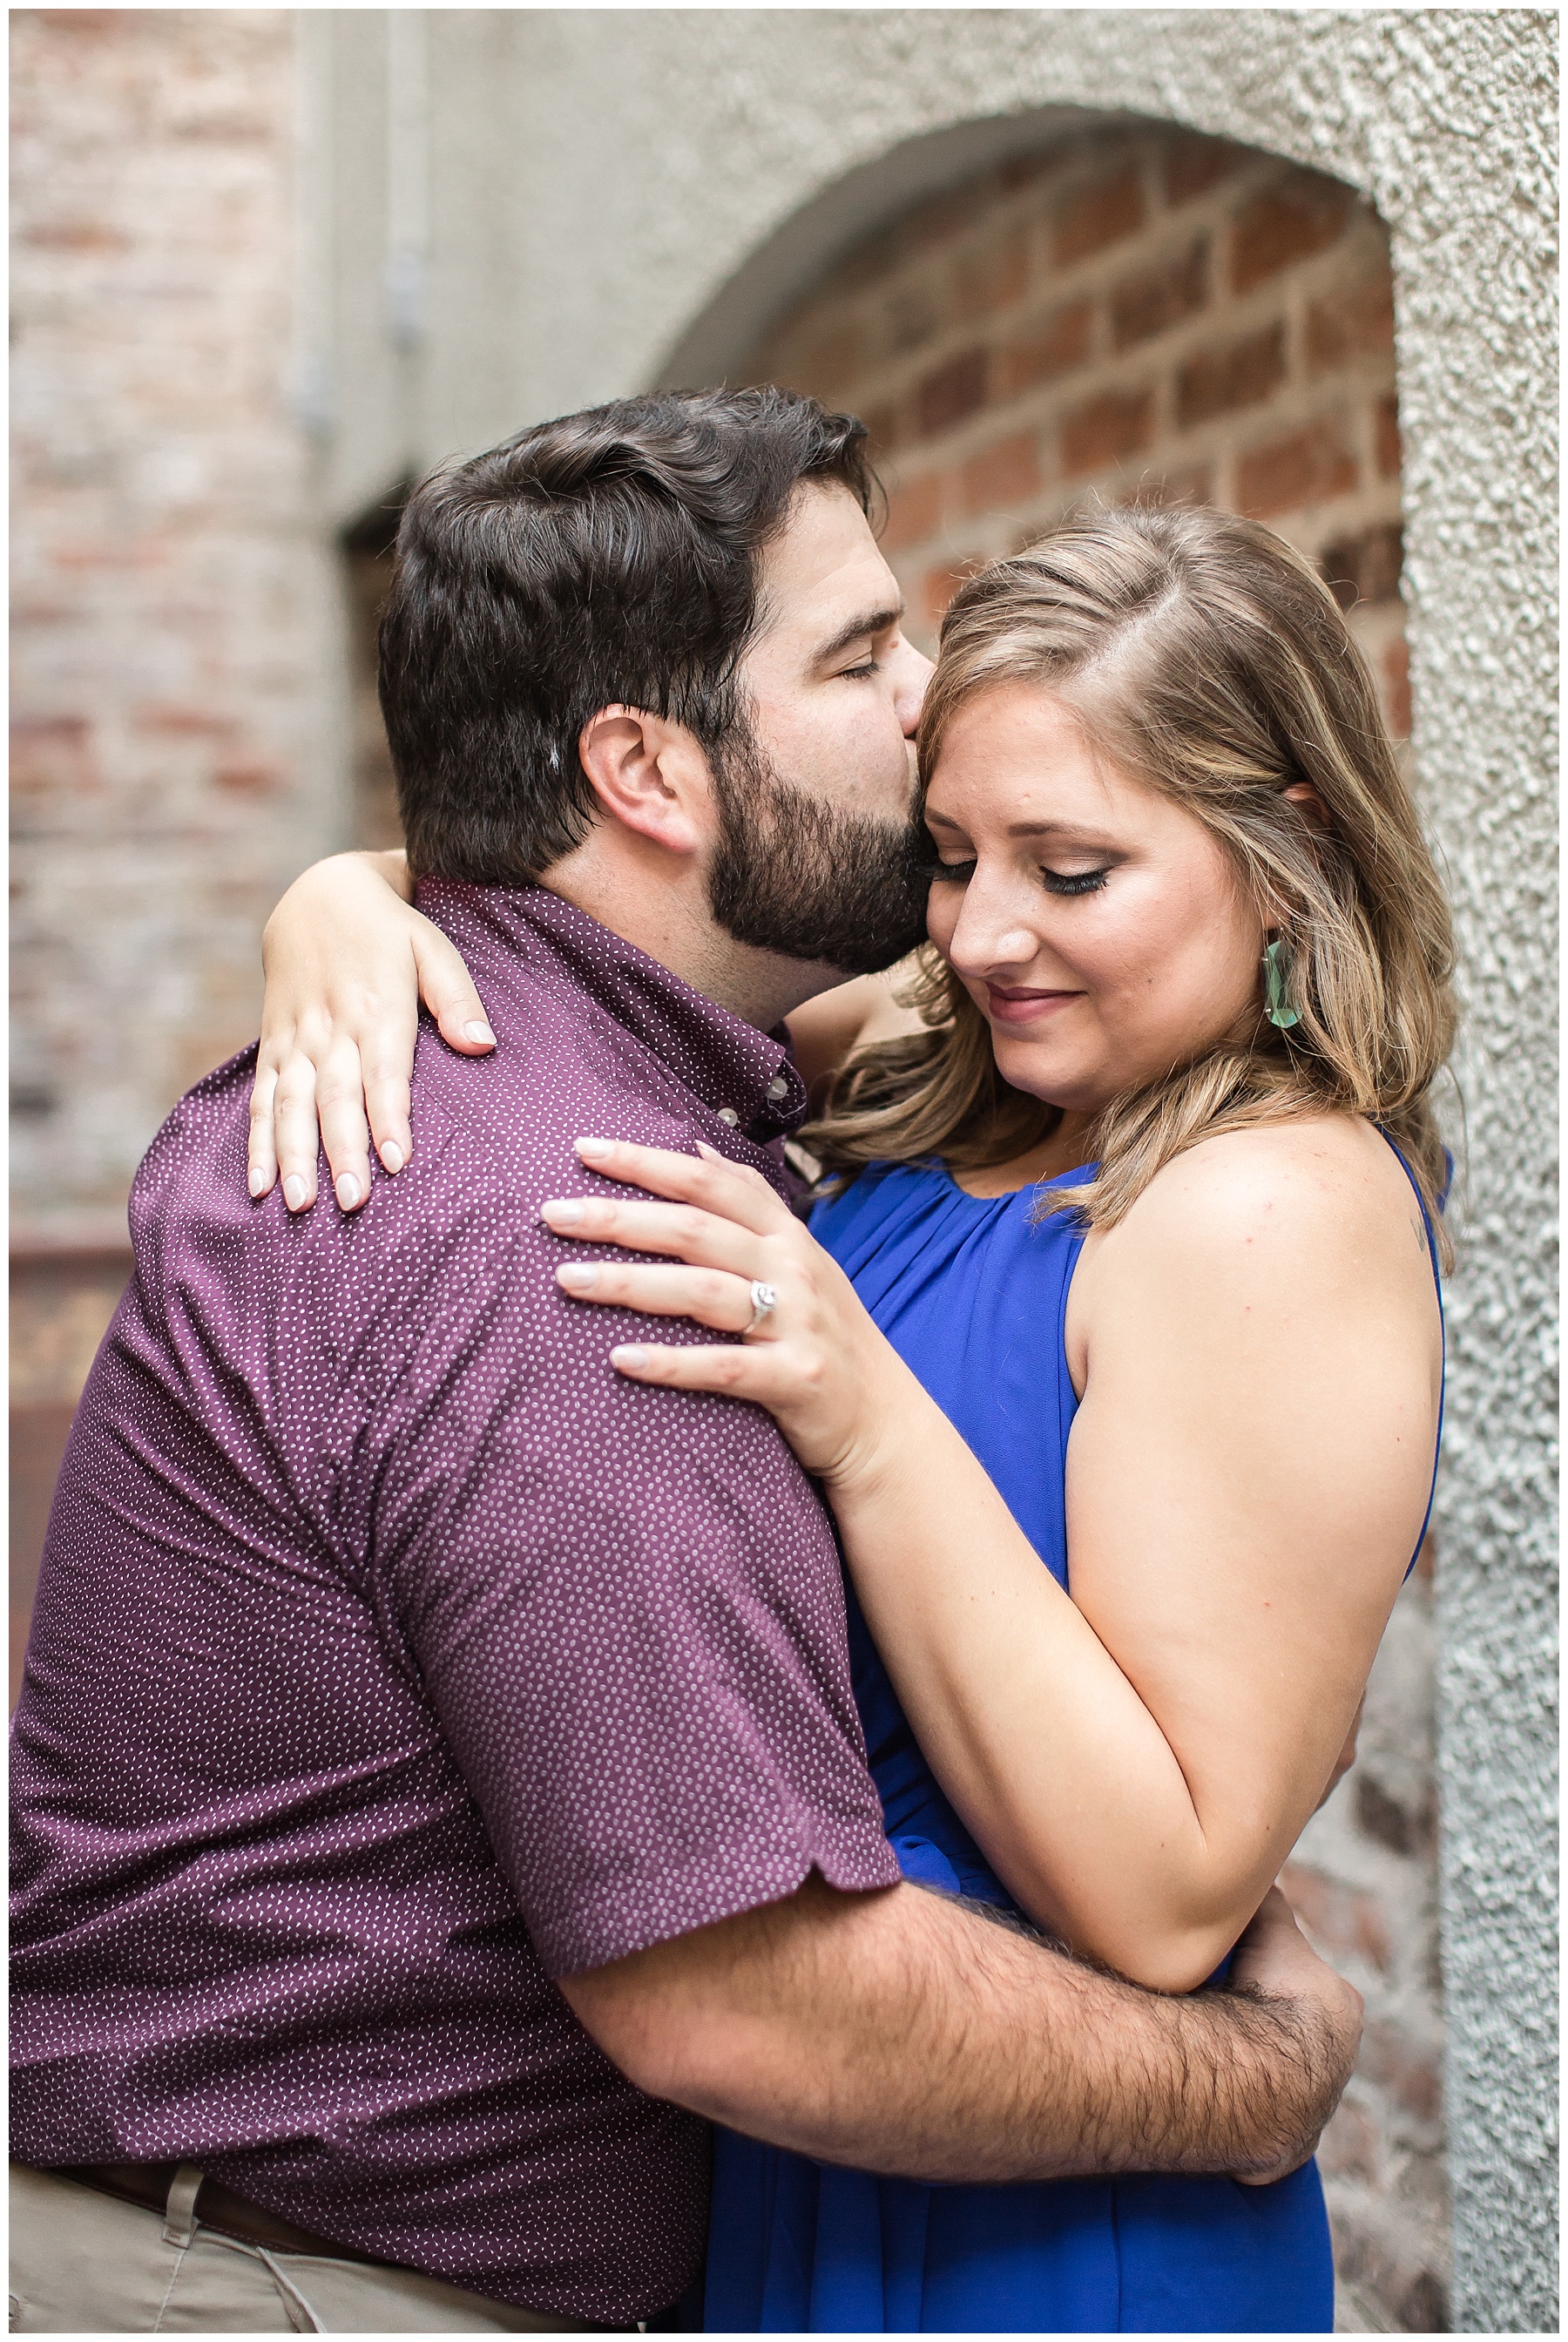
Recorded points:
85,2263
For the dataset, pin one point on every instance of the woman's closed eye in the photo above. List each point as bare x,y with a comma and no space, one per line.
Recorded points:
1056,882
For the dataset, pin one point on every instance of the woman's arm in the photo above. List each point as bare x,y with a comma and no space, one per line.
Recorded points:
347,962
824,1031
1246,1477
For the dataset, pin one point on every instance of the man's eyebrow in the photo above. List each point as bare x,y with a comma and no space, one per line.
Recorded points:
875,621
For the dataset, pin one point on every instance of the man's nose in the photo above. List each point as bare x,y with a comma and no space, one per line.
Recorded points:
917,673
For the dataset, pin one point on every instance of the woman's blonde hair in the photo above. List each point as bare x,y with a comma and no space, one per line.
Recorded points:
1204,656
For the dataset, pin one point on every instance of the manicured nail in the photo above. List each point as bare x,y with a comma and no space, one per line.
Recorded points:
593,1150
478,1032
563,1213
293,1191
629,1357
391,1159
709,1154
577,1277
347,1190
255,1180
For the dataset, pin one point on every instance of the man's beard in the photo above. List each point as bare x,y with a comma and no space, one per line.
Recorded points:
810,880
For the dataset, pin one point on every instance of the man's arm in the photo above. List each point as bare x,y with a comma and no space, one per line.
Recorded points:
901,2032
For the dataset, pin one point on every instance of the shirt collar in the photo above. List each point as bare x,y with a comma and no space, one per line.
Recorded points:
746,1077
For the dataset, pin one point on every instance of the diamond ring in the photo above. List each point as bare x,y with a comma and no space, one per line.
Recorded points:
764,1301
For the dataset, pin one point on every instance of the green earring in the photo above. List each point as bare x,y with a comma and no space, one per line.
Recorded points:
1278,1006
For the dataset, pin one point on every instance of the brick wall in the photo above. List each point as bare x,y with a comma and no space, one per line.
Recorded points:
1135,312
174,750
174,632
1146,313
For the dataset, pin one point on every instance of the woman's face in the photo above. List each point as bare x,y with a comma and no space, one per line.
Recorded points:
1099,927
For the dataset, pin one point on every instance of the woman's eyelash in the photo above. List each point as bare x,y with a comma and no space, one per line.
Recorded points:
1056,882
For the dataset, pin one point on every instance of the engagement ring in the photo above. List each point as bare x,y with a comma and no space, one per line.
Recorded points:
764,1301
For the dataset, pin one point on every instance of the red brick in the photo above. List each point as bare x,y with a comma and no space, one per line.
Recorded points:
1026,171
1191,484
882,427
954,390
253,779
830,362
1105,429
1405,2068
1303,467
1349,2145
913,317
940,585
1089,218
1287,222
1004,474
914,512
1396,702
1158,297
992,275
1352,321
1222,381
1339,1918
1194,165
1053,347
1366,568
943,217
1386,428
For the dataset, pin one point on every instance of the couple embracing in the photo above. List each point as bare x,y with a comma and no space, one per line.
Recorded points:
612,1738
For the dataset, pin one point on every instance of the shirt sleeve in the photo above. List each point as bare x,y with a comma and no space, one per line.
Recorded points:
626,1608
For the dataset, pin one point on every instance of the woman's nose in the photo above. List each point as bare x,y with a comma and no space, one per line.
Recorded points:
989,935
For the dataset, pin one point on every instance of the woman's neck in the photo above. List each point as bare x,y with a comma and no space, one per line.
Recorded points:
1063,1150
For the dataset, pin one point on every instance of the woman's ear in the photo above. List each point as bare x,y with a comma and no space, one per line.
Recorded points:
648,775
1303,794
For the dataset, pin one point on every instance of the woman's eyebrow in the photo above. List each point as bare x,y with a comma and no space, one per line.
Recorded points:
875,621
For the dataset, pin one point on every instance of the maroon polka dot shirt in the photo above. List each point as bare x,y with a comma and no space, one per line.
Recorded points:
393,1657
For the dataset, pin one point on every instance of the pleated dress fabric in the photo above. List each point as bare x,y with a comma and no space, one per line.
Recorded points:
972,1293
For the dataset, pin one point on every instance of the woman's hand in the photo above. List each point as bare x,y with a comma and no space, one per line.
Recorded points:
348,961
813,1358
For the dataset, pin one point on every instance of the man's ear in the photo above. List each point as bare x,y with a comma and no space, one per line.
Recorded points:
648,775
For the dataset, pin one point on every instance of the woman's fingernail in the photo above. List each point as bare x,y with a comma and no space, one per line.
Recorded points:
255,1180
562,1215
347,1190
479,1032
392,1157
593,1150
294,1192
628,1356
709,1154
578,1276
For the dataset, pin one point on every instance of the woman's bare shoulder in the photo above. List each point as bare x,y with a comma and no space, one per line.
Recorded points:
1305,1203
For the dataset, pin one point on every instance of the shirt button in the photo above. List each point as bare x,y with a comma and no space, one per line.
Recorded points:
729,1117
778,1087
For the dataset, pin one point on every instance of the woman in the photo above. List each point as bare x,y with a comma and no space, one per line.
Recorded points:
1128,1265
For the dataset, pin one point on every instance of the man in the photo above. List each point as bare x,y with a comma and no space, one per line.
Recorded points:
438,1785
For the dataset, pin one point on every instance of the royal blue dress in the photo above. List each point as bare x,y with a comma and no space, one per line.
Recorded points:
973,1294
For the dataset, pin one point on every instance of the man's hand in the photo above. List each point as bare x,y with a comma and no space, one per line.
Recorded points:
1273,1961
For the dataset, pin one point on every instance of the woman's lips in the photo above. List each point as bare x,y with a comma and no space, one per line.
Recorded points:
1007,1005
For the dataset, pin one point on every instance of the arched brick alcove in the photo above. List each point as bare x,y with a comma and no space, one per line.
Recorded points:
1135,311
1138,311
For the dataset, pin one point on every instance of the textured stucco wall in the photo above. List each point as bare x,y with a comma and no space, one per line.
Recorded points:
600,184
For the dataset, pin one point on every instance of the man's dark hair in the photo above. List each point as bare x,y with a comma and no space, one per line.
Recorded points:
608,558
